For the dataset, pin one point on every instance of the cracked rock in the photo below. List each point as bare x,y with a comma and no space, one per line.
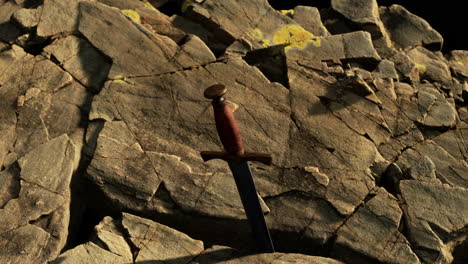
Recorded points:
435,218
40,102
109,235
81,60
126,60
348,118
344,47
117,156
152,157
420,161
371,234
156,241
35,223
89,253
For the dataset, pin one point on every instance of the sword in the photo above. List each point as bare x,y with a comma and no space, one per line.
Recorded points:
237,158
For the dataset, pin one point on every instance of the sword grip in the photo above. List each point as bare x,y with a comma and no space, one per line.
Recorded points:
228,129
226,124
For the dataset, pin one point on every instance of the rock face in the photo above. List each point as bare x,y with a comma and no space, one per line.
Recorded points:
35,214
102,120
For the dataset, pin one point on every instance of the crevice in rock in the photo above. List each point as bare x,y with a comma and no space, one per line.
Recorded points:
459,253
126,236
390,179
290,4
33,3
42,222
123,78
295,122
271,62
171,7
432,132
89,206
368,197
35,45
15,187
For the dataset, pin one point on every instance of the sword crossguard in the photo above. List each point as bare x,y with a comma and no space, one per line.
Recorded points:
228,131
260,157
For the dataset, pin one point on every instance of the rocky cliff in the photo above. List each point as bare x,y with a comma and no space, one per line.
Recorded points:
102,119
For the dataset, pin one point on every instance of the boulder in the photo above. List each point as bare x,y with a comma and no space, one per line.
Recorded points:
430,66
190,27
458,62
435,109
309,18
365,14
27,18
435,219
407,30
406,67
110,235
126,60
386,70
232,20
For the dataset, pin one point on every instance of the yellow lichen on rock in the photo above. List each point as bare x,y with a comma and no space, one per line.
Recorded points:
132,14
421,67
315,41
288,12
294,36
256,33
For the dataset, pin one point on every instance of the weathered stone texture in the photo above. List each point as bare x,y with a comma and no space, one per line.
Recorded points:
365,120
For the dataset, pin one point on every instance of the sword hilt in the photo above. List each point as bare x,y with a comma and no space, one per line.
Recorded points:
228,131
226,124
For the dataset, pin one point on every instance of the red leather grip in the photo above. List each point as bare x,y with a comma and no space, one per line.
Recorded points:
228,130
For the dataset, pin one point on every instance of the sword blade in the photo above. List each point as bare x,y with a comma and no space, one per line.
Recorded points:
253,210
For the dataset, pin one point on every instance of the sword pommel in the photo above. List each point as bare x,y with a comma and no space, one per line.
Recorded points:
226,124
